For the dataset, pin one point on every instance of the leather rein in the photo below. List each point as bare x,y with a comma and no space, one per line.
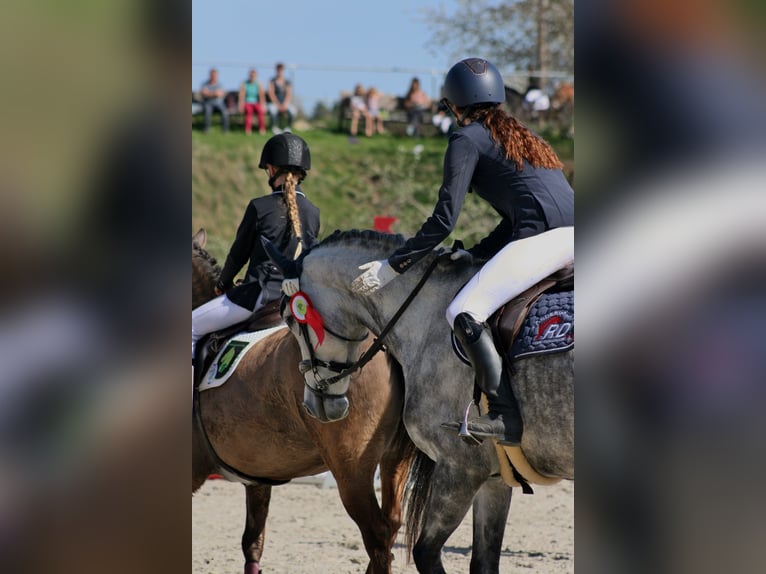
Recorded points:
343,370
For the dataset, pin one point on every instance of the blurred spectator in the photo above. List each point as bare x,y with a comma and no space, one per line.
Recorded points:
359,108
416,102
373,111
536,101
212,99
442,119
280,100
251,99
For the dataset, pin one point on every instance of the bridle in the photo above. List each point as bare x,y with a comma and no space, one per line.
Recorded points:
343,370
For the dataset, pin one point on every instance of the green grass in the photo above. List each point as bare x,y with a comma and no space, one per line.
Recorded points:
351,183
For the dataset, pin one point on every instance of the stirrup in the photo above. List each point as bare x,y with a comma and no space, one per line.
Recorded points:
464,433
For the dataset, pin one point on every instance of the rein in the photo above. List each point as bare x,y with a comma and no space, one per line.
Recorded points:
377,344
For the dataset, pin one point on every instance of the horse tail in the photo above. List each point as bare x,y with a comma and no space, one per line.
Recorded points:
416,497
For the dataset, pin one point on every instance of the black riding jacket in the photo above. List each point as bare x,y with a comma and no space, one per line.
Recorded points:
266,216
529,201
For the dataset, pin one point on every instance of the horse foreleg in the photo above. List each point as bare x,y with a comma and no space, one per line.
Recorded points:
257,499
489,522
357,493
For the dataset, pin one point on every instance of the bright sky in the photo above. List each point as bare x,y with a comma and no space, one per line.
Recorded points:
325,46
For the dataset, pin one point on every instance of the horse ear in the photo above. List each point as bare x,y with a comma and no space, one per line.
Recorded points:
288,266
200,238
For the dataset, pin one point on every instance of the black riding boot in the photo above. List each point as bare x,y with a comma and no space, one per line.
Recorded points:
503,421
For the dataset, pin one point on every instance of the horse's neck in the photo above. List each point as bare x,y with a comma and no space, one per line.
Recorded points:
425,317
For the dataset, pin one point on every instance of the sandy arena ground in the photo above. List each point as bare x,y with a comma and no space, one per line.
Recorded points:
308,531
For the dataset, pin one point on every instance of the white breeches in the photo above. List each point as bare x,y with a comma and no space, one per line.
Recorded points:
516,267
214,315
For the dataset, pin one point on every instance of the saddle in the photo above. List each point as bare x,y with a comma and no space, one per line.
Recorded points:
506,324
507,321
208,347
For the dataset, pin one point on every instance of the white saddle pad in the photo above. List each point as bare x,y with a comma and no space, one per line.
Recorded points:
230,355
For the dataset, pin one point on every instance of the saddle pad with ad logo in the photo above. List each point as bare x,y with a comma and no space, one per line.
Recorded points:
548,328
230,355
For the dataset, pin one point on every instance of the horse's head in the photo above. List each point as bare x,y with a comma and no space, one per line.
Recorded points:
328,350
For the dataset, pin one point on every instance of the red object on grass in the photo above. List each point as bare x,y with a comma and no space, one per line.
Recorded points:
383,223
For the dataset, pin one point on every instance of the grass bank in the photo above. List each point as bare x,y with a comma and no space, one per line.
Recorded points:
350,181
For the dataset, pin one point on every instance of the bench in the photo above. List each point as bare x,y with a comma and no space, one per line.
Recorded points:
392,113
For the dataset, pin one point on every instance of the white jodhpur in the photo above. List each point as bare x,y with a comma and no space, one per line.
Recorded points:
516,267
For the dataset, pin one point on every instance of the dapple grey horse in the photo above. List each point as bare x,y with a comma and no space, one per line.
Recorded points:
448,475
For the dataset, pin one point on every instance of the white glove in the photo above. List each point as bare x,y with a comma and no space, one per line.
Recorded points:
461,254
291,286
376,275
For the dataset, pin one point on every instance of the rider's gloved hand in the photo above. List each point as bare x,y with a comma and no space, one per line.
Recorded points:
290,286
376,275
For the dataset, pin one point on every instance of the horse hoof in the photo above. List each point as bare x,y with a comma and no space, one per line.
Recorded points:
252,568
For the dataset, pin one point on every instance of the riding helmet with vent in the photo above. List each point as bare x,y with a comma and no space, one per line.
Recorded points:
474,81
286,150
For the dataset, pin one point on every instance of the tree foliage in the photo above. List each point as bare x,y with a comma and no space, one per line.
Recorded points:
516,35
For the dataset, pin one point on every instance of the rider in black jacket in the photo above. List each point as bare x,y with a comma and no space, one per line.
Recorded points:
285,217
520,176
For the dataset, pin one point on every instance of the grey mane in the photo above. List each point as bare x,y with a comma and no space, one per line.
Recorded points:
388,243
365,237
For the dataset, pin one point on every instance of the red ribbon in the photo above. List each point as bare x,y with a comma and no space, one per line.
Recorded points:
305,313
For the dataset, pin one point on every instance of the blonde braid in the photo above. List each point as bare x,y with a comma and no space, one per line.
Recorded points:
292,207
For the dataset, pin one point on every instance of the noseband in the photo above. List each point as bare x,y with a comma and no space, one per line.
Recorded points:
311,364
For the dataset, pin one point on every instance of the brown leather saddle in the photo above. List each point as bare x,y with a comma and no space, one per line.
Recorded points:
507,321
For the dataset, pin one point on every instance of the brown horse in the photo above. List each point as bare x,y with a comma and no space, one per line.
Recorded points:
256,423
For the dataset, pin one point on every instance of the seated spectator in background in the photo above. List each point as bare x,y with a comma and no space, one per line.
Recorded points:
373,111
251,99
416,102
358,106
535,99
212,99
280,100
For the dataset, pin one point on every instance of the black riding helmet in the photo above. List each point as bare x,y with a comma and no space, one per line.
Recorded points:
286,150
474,81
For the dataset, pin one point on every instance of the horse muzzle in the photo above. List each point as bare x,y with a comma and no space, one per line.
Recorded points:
325,408
325,402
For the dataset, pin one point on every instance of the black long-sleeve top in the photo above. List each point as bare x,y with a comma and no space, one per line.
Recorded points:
529,201
266,216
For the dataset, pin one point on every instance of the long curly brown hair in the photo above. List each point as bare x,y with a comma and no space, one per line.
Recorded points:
519,142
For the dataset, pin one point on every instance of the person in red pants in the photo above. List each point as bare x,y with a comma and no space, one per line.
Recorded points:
251,100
